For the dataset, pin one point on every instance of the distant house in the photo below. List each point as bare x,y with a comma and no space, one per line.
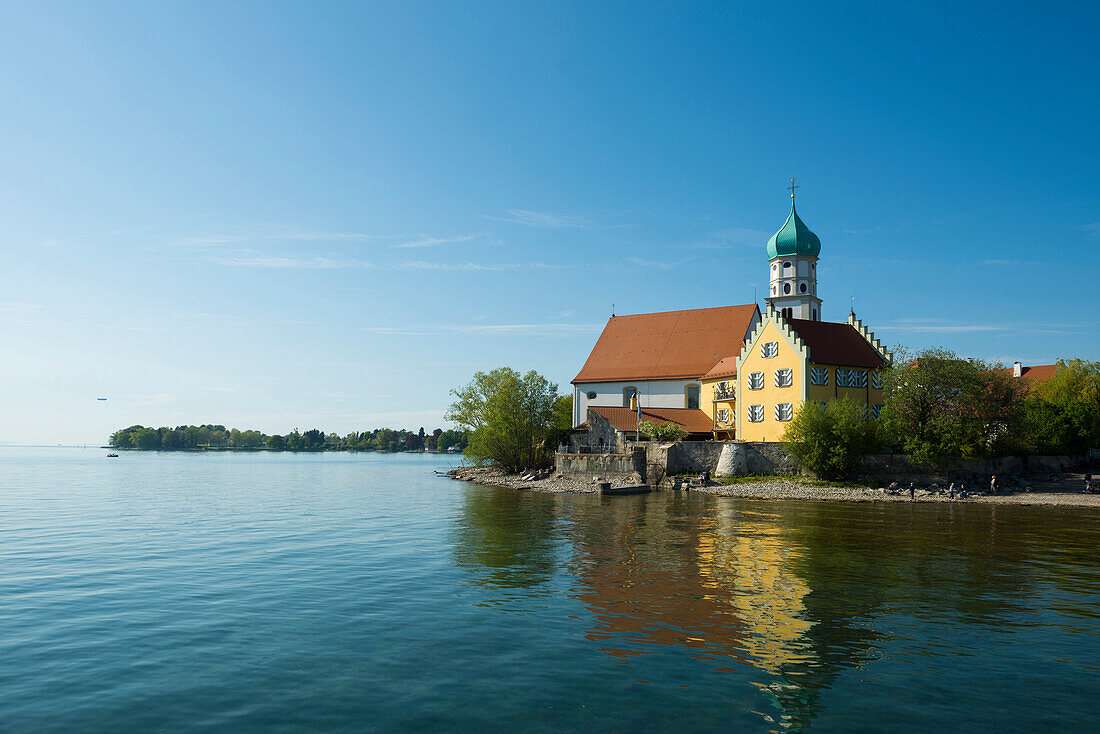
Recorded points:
1035,375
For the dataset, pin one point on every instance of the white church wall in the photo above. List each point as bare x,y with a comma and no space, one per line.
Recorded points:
652,394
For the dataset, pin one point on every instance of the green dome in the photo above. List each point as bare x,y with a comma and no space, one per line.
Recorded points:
793,238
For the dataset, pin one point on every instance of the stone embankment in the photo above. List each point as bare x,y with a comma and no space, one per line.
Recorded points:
781,488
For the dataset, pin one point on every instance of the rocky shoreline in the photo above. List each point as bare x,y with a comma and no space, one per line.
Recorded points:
777,488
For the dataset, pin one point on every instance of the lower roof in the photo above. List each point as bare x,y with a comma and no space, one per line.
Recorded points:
691,420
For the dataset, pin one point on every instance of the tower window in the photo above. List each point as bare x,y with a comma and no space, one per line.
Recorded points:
802,287
773,290
774,266
786,265
815,314
786,287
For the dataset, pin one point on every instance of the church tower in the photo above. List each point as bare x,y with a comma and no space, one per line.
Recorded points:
792,253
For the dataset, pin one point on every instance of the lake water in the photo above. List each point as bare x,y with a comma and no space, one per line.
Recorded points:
340,592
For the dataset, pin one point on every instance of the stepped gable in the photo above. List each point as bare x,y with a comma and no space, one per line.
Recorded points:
667,345
840,344
691,420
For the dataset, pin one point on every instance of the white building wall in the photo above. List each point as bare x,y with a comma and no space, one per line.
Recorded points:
651,394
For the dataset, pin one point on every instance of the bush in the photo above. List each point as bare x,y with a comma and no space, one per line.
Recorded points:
662,431
830,440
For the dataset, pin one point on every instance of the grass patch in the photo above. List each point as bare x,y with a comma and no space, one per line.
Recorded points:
797,478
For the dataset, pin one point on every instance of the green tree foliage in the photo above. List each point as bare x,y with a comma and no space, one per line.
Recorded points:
939,405
450,438
662,431
831,440
509,417
1062,415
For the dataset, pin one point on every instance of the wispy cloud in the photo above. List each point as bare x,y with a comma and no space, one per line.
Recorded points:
422,265
285,263
540,219
658,264
433,241
542,330
939,326
1093,229
1012,263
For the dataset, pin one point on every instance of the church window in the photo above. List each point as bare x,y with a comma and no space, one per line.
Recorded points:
756,413
786,265
802,287
591,395
784,377
723,415
786,287
628,392
691,397
756,380
774,266
815,314
773,290
769,349
876,380
784,411
819,375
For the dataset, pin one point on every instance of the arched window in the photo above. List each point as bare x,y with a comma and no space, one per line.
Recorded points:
691,396
774,266
786,287
802,287
773,290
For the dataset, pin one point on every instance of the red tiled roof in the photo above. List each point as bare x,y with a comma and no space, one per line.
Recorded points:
836,343
725,368
691,420
1037,373
667,345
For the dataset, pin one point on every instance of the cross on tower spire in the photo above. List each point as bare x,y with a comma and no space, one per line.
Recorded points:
792,187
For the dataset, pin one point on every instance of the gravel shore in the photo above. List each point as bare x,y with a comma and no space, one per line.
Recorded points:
779,488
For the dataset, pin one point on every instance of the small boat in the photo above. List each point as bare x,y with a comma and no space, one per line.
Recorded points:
112,456
606,488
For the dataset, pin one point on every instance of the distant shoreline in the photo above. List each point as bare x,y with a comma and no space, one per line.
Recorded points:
265,449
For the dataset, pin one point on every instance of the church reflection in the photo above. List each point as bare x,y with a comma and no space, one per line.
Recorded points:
787,595
721,580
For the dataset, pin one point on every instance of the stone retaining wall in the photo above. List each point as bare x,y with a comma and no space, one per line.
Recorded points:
607,466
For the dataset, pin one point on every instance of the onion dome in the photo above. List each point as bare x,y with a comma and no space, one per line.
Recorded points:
793,238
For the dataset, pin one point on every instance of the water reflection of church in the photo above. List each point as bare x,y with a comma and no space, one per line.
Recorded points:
720,580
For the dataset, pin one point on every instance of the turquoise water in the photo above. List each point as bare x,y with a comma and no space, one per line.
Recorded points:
339,592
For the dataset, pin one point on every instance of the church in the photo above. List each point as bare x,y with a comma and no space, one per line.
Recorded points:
730,372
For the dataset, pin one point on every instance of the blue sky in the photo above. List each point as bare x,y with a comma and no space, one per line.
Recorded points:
328,215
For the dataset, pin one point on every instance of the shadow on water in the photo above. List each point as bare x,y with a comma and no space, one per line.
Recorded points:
788,596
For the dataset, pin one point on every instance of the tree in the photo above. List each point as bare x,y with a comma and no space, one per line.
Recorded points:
508,417
939,405
830,440
662,431
276,442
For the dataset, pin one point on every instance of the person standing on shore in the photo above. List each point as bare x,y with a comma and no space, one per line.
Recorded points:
962,491
911,490
1088,483
951,491
993,485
